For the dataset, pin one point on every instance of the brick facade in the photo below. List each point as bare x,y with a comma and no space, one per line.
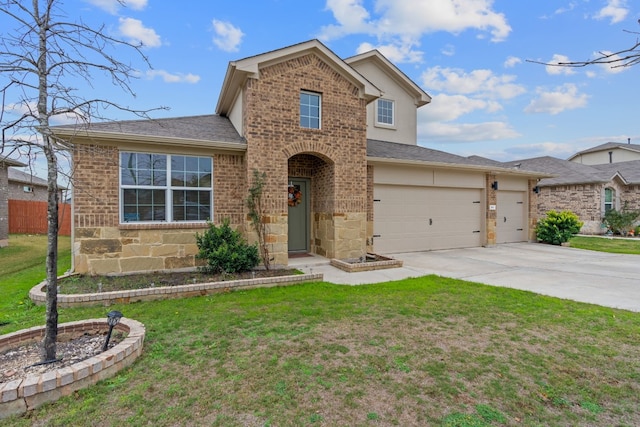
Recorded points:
104,246
332,157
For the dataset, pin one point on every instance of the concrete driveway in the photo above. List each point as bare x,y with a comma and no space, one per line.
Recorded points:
610,280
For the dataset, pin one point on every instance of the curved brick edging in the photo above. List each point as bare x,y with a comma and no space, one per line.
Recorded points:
165,292
19,396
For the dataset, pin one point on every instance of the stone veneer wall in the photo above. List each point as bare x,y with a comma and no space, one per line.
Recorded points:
272,128
104,246
583,200
532,210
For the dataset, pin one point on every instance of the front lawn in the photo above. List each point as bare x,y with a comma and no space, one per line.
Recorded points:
607,244
418,352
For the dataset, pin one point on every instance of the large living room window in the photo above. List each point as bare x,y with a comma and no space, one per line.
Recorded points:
164,188
310,110
384,112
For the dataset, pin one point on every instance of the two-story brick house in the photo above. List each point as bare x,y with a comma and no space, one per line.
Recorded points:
337,139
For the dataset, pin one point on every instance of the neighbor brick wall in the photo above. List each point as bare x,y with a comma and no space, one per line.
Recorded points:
16,192
4,206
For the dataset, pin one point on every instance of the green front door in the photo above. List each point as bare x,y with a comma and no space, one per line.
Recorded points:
298,193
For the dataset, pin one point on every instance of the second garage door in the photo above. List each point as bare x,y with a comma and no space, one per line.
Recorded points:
411,218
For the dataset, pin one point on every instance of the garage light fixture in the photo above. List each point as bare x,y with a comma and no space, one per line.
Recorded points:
494,185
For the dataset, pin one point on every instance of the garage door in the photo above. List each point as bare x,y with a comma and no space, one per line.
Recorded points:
511,217
410,219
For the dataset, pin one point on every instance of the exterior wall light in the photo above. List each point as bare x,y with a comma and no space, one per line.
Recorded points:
113,317
494,185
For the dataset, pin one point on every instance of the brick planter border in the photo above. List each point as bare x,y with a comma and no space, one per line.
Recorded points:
355,267
39,297
19,396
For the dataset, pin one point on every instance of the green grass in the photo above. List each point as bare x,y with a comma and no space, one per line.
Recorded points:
424,351
23,263
605,244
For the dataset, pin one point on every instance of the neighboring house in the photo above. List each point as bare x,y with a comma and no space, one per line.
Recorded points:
590,183
344,174
611,152
5,164
24,186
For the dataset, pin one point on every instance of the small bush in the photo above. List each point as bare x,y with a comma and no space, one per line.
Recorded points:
620,222
558,227
225,250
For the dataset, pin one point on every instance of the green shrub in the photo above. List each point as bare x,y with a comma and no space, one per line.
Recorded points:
558,227
620,222
225,250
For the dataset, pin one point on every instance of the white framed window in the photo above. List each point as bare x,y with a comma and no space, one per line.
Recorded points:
385,114
165,188
27,189
310,110
609,199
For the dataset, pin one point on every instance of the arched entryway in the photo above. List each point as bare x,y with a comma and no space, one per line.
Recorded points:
311,195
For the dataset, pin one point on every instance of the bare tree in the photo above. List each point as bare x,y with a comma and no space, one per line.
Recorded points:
622,58
43,57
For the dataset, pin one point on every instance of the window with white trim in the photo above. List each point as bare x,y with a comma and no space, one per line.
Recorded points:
165,188
27,189
384,112
310,110
609,199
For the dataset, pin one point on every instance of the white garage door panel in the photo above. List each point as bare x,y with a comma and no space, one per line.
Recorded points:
410,218
511,217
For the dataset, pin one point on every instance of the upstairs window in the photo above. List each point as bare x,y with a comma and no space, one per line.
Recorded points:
310,110
384,113
165,188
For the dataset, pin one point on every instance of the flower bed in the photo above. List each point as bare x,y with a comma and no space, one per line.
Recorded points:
21,395
371,262
39,297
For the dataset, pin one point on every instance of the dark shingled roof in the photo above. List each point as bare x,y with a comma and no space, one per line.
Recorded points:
212,127
393,150
19,176
566,172
630,171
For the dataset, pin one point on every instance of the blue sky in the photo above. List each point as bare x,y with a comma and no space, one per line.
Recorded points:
469,55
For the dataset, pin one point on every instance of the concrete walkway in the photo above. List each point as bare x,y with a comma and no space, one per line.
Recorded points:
611,280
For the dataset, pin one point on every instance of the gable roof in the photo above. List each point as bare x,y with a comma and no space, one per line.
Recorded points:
393,152
23,177
206,130
608,146
11,162
565,171
629,171
239,71
420,96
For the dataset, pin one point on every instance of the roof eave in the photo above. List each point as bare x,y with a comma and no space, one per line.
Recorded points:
115,137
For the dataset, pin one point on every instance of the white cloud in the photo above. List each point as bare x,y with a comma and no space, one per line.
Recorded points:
512,61
610,68
173,78
448,50
112,6
399,24
554,149
615,10
228,37
466,132
451,107
481,82
396,53
559,69
138,33
565,97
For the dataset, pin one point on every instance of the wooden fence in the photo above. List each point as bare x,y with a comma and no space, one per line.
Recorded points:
27,217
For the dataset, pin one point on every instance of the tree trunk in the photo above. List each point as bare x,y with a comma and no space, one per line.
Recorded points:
51,327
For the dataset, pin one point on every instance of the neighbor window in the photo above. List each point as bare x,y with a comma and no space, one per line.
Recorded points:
609,199
310,110
165,188
384,114
27,189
